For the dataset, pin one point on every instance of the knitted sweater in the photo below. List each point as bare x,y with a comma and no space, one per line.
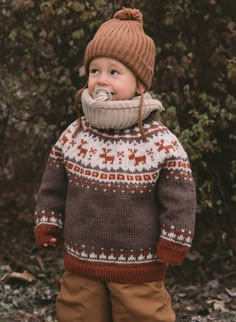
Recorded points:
126,206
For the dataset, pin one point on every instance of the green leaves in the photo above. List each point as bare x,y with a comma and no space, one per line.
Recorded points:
231,70
77,34
42,48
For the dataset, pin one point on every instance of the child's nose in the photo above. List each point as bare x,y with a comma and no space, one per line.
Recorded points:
102,79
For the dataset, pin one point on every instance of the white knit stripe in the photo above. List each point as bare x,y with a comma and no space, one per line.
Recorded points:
179,236
110,256
126,157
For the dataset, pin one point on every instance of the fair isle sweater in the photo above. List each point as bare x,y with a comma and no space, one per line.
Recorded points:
126,207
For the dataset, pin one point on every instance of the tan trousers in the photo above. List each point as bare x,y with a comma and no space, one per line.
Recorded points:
87,300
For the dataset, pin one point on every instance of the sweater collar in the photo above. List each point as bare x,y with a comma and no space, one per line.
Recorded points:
103,113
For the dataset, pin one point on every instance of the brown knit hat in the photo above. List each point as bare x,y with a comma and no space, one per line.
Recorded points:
123,38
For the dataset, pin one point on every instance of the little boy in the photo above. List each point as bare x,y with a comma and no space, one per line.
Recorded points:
119,184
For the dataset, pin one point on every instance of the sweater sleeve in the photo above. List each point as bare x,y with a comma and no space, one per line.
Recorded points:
177,205
49,212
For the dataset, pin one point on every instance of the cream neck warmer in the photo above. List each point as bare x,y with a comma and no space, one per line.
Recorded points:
103,113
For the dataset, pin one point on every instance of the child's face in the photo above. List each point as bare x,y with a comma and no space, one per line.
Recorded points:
113,76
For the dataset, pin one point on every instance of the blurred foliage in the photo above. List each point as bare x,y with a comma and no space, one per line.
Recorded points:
41,65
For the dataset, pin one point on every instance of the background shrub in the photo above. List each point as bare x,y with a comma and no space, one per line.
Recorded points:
41,66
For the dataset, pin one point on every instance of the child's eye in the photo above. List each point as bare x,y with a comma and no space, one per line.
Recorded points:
114,72
94,71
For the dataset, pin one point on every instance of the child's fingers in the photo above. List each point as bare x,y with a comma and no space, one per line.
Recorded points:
53,241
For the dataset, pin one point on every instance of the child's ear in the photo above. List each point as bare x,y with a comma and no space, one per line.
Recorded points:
140,87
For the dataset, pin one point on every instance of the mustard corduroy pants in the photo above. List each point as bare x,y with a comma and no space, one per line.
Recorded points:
86,300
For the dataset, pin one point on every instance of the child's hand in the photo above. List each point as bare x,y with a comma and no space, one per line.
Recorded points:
52,242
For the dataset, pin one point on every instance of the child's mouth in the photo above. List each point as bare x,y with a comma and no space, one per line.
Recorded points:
101,94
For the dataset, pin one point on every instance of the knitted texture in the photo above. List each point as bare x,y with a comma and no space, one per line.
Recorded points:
123,38
117,114
127,207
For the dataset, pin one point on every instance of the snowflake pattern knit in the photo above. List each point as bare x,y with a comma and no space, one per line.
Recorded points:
126,206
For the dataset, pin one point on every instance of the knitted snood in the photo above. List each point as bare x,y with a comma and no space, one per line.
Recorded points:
117,115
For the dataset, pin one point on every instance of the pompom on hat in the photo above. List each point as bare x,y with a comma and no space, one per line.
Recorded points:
123,38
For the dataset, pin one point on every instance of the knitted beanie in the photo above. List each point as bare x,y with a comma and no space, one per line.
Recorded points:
123,38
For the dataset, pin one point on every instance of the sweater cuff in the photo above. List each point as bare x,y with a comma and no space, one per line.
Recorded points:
171,252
